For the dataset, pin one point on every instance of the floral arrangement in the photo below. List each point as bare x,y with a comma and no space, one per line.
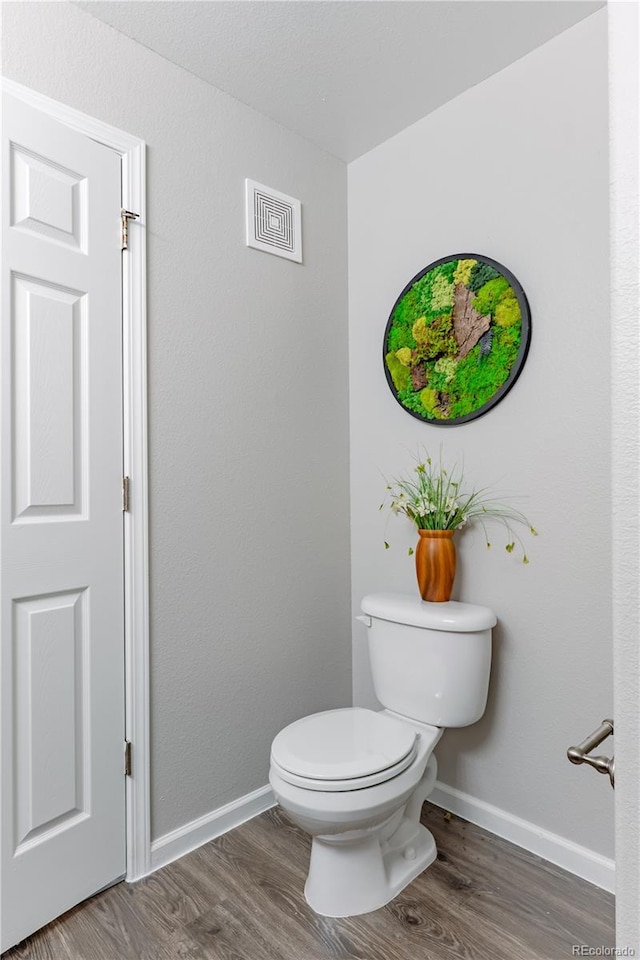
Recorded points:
433,497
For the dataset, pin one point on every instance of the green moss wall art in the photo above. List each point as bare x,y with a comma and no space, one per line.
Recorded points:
457,339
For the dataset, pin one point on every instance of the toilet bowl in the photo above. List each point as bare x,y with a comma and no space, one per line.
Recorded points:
368,842
355,779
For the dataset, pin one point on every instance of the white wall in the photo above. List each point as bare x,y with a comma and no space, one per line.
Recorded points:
624,59
248,411
515,168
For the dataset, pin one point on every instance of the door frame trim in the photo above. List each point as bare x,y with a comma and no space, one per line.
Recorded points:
135,461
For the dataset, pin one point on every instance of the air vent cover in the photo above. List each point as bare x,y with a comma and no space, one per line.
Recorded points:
274,222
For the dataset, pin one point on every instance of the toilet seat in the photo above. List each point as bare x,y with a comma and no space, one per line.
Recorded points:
341,750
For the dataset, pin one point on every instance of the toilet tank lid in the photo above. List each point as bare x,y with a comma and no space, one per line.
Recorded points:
452,616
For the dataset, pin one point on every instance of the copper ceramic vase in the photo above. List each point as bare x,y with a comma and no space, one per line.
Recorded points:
436,564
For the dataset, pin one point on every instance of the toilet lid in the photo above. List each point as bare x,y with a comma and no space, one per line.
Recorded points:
344,745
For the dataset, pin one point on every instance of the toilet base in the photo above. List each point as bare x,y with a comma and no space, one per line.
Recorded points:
360,871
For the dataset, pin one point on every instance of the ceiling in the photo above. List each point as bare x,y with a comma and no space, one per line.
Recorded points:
345,74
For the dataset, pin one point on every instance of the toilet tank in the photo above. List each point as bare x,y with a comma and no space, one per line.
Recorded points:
429,661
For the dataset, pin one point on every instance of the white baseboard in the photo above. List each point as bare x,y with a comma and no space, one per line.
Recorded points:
564,853
175,844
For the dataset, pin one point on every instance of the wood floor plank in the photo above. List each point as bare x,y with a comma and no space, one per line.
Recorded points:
109,926
241,897
227,932
517,889
170,899
43,945
274,885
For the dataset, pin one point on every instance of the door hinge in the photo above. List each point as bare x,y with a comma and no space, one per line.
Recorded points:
125,216
127,758
125,494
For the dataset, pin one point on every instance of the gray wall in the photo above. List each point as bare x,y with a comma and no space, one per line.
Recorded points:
515,168
247,409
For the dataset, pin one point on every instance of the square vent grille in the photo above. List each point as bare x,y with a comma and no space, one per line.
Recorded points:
274,222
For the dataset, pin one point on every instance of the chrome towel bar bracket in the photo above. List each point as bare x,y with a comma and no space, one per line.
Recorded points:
580,754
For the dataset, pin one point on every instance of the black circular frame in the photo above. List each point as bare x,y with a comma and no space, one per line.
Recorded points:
516,369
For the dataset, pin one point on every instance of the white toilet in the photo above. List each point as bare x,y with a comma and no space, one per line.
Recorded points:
356,779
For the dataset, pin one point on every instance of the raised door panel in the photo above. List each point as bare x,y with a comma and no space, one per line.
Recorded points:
51,689
49,402
48,199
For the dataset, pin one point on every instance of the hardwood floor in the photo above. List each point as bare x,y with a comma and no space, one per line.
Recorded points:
240,898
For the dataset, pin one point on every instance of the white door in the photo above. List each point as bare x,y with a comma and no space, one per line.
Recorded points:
61,539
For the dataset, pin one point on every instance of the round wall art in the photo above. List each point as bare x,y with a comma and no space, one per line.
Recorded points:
457,339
